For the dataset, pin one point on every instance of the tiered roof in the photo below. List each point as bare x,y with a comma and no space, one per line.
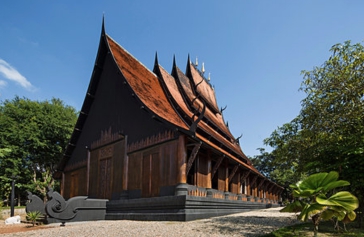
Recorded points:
184,100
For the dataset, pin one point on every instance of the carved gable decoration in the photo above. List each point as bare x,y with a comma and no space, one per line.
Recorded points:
150,141
106,137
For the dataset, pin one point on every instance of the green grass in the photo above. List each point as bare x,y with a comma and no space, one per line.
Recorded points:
8,208
326,229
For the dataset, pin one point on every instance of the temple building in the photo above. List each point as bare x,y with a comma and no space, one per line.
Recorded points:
155,145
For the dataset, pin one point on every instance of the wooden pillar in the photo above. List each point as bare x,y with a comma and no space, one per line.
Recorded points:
125,172
266,190
244,180
274,194
233,182
261,188
181,160
276,191
239,191
88,171
253,185
247,184
197,169
62,183
209,169
226,177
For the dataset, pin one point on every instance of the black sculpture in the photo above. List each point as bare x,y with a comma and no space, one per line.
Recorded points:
78,208
34,204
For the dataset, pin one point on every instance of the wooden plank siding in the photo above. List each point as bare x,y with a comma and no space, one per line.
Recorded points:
222,176
75,183
105,174
203,171
235,184
153,168
119,157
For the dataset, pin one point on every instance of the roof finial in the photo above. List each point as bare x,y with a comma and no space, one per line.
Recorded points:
203,68
196,63
103,25
209,78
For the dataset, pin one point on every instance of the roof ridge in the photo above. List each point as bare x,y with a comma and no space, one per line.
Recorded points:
107,35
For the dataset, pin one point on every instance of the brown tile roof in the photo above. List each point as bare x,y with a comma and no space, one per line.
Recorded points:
172,87
148,89
215,118
204,89
145,84
186,84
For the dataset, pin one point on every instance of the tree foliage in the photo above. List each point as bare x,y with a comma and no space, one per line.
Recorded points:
281,172
332,114
33,135
328,133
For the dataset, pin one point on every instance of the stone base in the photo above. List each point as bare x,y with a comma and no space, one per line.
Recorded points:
176,208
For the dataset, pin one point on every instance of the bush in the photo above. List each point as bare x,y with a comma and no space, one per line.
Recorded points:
33,216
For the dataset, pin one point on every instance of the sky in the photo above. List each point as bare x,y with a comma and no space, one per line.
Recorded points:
254,50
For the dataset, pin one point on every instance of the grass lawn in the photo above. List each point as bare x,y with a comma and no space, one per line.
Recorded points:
326,229
8,208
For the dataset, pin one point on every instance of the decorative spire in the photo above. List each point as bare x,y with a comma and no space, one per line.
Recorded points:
203,68
188,67
174,67
156,58
209,78
196,63
156,63
174,61
103,25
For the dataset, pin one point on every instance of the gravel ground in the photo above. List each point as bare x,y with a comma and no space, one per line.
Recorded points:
253,223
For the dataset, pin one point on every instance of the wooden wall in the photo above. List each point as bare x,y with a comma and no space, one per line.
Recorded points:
151,169
106,170
222,177
203,171
235,184
149,173
75,183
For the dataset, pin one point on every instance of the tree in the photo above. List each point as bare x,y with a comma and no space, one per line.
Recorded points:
314,201
4,181
37,134
275,169
332,113
328,133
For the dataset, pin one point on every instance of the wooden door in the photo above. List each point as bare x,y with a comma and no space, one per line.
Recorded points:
150,175
74,184
105,178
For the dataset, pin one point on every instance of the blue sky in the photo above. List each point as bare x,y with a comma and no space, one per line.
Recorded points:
253,50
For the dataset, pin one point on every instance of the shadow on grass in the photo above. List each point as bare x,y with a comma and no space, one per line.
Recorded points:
326,229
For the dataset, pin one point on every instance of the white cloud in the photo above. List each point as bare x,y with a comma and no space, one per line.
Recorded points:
12,74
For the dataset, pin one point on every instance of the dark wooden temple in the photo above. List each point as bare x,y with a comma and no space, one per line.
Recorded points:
156,145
